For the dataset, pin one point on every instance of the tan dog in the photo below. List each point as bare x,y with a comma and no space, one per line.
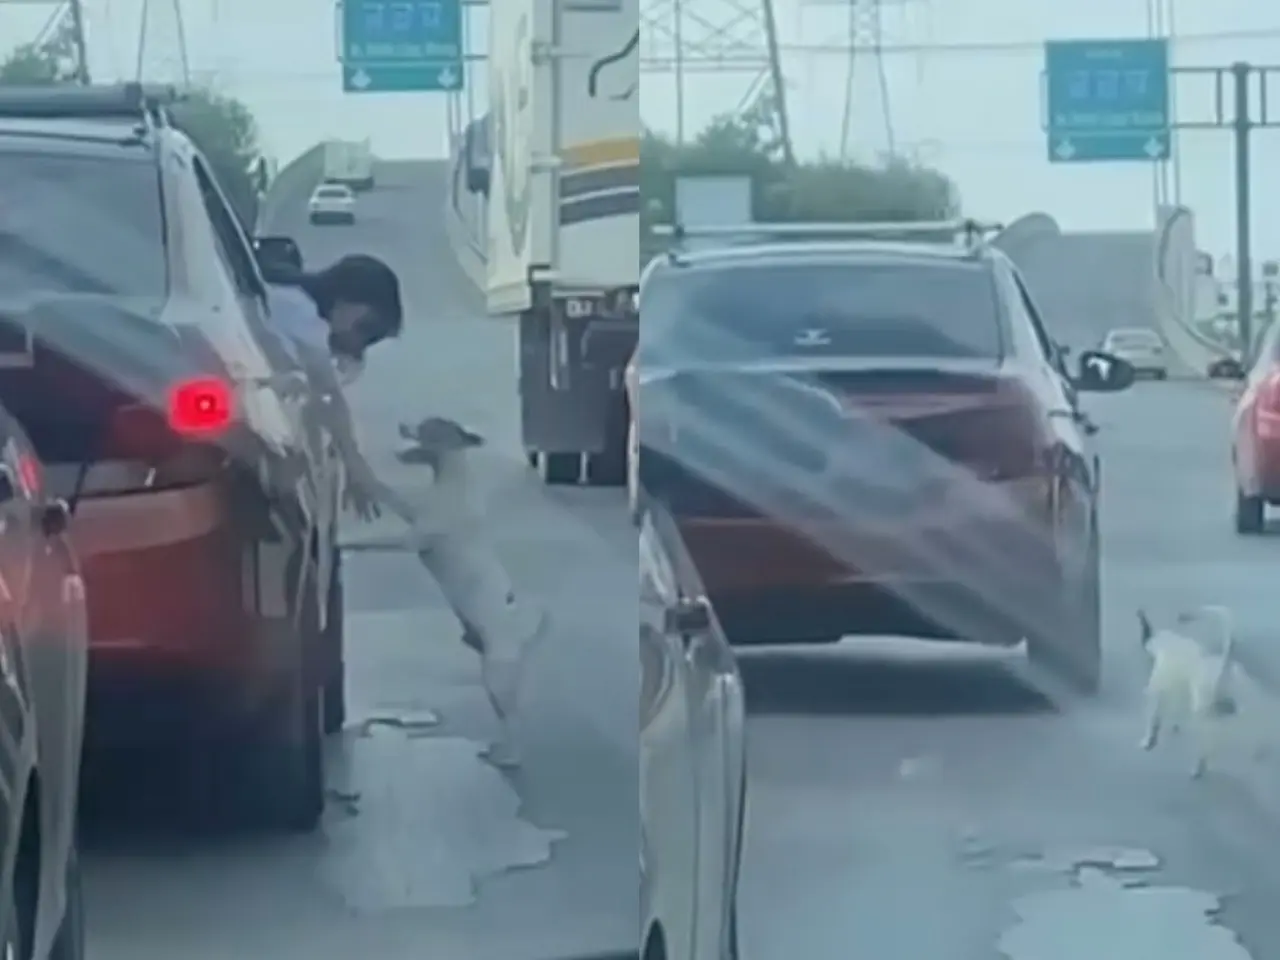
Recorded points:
452,542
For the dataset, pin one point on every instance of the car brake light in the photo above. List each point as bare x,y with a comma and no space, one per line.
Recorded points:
200,408
1267,409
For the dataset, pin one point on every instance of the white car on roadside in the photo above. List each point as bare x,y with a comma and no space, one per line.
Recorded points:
1141,347
332,203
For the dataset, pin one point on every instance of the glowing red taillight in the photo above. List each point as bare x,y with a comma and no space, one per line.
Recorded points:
200,407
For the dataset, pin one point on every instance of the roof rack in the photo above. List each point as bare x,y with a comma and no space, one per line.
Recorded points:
972,233
146,104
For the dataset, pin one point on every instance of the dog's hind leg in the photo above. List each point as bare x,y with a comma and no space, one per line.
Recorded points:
1152,735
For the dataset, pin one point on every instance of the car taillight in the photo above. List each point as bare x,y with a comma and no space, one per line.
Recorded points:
201,408
1267,408
1007,440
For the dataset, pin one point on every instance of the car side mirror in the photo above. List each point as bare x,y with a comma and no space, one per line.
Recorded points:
688,617
1226,368
55,518
478,180
1100,372
279,258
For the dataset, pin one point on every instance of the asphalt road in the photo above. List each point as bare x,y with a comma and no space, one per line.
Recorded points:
911,802
427,851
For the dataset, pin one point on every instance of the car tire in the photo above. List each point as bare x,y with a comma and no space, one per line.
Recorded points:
560,469
269,775
1068,645
1251,514
335,663
69,944
531,457
1162,374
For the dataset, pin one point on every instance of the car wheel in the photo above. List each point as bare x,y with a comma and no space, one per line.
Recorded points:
335,686
1251,514
531,457
608,468
1068,644
560,469
1162,374
270,775
69,944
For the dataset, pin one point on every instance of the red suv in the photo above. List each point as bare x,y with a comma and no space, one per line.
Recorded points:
861,436
1255,448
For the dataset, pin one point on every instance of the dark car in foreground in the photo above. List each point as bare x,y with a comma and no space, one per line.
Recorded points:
692,758
43,663
139,362
859,435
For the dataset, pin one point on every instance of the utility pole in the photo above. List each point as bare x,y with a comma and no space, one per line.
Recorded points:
1236,108
79,42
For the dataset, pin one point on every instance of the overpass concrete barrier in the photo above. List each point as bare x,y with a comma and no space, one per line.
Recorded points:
1175,270
291,186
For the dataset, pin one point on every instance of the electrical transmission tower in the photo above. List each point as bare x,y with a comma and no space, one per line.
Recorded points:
684,38
65,14
169,12
866,28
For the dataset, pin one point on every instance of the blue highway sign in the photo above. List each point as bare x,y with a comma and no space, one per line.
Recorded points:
401,45
401,77
1108,100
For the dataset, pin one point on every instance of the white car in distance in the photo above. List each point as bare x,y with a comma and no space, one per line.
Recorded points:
332,203
1141,347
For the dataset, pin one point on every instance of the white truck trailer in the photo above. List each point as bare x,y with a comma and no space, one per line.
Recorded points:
349,162
563,259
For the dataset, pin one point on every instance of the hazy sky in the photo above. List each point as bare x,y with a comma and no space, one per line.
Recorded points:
974,112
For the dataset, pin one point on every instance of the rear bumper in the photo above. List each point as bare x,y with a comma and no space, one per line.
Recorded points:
332,216
976,579
176,648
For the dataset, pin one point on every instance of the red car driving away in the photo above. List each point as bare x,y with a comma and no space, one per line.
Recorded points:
1255,448
135,354
860,435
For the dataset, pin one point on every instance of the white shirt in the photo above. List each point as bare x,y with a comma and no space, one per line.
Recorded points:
295,318
304,333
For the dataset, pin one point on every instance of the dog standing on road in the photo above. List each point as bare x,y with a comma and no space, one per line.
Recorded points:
1190,684
452,542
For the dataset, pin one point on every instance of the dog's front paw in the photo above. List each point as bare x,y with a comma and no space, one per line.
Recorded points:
1148,742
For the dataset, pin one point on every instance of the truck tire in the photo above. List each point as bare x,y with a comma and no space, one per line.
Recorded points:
560,469
608,468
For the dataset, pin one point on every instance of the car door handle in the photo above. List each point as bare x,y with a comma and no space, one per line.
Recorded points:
688,617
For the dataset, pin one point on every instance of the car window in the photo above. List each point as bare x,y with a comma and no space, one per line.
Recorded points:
333,193
1133,338
58,214
231,243
807,309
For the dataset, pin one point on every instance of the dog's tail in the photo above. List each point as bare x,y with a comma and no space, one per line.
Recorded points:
1145,630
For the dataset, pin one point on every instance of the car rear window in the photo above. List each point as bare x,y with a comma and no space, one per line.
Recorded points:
80,225
333,193
945,310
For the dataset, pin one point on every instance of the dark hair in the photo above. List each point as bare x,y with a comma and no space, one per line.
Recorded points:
358,278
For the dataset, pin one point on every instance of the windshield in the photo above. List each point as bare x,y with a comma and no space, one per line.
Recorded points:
59,214
836,309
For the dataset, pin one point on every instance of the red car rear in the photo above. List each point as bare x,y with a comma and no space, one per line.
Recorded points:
862,438
1256,438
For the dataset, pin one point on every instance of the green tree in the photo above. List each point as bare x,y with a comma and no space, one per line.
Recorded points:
811,191
225,131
